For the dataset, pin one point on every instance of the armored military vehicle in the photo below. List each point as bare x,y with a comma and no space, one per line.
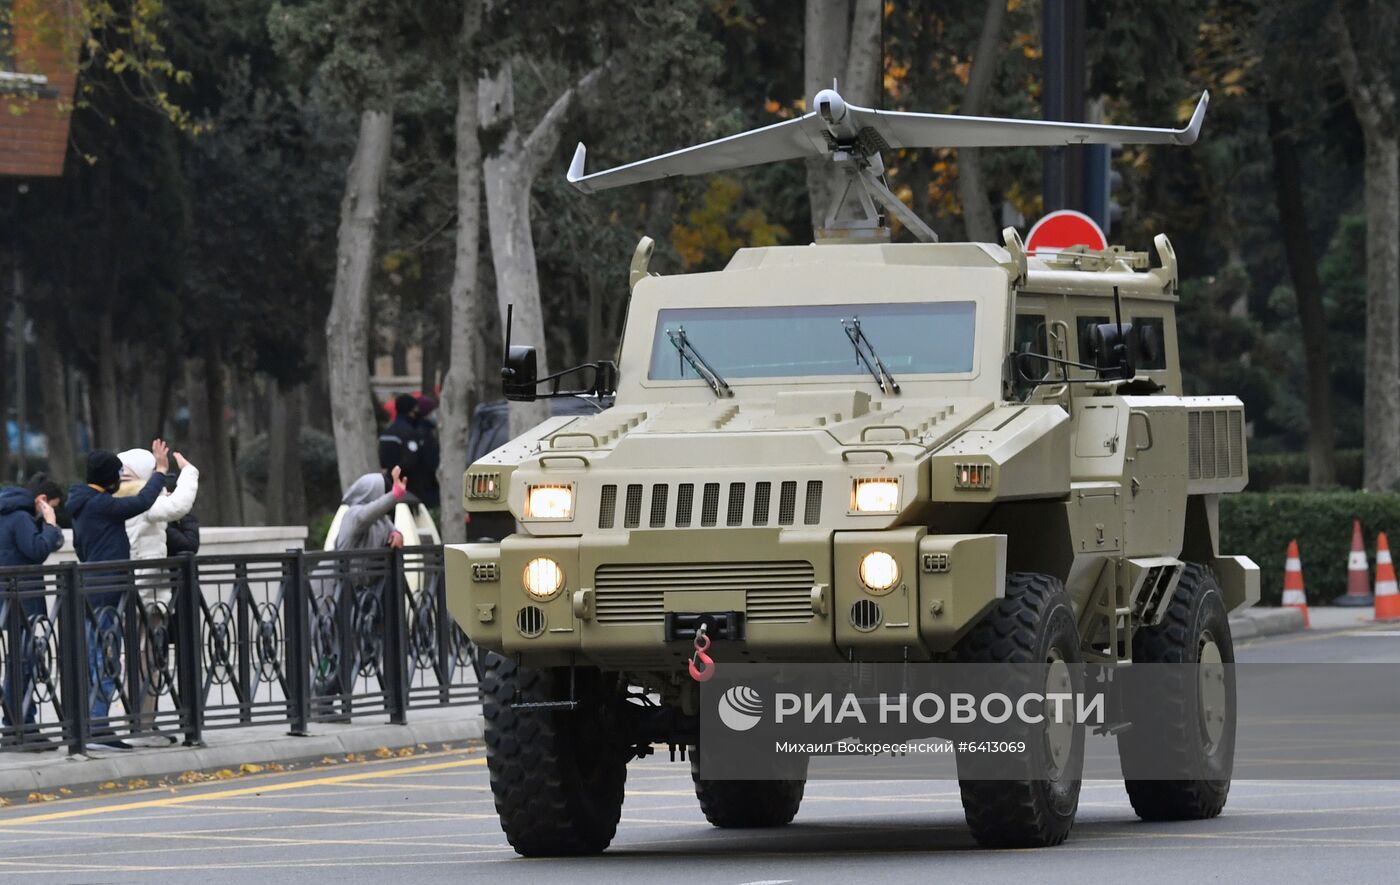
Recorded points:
856,451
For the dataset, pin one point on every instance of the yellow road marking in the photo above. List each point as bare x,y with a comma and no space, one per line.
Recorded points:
243,791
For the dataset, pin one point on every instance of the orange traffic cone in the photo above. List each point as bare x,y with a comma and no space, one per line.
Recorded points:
1387,594
1293,595
1358,572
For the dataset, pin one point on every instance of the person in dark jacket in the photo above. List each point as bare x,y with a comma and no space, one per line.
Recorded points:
99,535
408,444
28,535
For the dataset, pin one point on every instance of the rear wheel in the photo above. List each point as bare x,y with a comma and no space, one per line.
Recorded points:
746,804
557,775
1179,754
1032,801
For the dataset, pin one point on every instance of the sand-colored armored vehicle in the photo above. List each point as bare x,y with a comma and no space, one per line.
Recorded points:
855,451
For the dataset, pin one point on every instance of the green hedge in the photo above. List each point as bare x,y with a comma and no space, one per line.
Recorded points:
1288,471
1261,525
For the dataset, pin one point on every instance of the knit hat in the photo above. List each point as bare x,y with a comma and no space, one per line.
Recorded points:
404,404
104,469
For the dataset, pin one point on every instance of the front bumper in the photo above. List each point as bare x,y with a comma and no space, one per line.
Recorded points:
798,591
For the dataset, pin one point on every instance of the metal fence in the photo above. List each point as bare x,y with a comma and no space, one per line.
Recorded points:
104,651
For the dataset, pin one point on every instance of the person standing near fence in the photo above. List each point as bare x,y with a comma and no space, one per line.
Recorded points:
28,535
99,535
146,534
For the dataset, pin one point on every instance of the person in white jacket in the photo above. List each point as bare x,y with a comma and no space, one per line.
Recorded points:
146,533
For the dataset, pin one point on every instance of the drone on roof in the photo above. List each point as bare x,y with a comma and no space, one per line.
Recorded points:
852,137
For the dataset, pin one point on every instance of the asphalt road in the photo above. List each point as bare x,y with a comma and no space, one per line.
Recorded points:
430,819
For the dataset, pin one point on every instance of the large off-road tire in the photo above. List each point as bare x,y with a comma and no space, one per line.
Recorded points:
1183,734
742,805
1033,800
557,775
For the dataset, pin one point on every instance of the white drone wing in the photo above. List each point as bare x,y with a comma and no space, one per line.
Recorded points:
836,126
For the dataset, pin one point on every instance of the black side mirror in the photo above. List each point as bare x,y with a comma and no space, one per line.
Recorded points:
1110,345
520,374
605,378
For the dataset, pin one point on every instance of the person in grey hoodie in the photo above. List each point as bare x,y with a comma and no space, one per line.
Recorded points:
368,522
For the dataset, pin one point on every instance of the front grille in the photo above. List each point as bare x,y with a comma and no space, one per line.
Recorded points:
1215,443
731,505
635,593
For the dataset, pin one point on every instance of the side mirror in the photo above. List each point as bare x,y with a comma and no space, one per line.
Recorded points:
1109,343
520,374
605,378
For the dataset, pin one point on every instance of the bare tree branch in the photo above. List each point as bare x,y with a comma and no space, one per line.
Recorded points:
544,138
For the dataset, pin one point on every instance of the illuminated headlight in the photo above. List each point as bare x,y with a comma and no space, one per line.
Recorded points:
549,502
543,578
875,495
879,571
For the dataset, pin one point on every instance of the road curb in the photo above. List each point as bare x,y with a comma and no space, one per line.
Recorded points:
1255,622
49,774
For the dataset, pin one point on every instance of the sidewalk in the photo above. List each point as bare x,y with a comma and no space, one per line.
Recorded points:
1261,621
45,773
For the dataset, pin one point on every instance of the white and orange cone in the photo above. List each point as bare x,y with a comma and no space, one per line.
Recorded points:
1358,572
1387,594
1293,595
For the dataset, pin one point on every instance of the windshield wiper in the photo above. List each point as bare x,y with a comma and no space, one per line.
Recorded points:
862,345
697,362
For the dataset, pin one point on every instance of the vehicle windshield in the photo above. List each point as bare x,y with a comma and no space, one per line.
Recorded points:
794,341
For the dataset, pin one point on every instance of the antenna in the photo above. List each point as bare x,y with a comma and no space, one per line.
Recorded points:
506,371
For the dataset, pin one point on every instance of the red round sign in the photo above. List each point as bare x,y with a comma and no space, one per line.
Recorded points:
1064,228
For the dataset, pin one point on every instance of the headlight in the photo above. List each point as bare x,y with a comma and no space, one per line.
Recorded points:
549,502
879,571
543,578
875,495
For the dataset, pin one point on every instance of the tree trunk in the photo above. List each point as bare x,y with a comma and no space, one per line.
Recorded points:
108,433
977,209
509,168
826,43
839,44
5,309
347,327
56,416
286,486
1368,84
1382,396
220,467
1302,267
461,386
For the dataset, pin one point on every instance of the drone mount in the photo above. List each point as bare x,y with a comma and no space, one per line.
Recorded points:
853,138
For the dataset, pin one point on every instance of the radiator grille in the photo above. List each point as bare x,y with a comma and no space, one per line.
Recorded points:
709,506
685,500
813,513
635,593
787,503
632,516
761,494
659,493
733,504
736,504
607,505
1215,441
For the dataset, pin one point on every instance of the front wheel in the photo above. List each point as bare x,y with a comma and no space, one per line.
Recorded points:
1179,754
557,775
739,805
1032,801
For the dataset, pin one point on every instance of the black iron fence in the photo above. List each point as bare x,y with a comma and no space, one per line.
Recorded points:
119,650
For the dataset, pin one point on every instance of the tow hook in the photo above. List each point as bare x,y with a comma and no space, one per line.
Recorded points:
701,666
